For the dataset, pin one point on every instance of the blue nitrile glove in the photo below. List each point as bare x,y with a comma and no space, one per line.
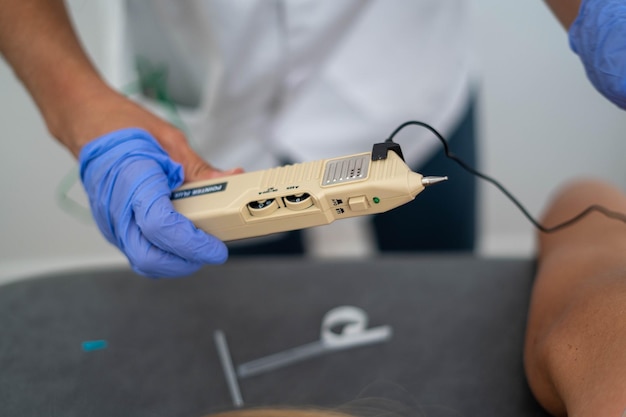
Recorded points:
129,178
598,36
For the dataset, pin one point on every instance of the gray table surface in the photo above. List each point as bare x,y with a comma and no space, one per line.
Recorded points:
458,326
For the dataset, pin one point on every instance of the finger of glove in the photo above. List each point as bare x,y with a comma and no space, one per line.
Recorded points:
151,261
171,231
146,256
112,197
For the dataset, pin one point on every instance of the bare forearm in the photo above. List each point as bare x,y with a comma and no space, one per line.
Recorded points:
38,41
564,10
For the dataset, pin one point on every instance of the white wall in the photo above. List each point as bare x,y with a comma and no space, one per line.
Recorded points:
541,124
36,234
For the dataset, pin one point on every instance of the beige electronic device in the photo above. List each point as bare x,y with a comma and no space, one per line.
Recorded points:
299,196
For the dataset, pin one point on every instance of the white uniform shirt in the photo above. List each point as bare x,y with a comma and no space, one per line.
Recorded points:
264,81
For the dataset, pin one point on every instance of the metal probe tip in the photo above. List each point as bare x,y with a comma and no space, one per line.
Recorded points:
426,181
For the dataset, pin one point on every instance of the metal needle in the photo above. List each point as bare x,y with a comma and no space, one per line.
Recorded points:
426,181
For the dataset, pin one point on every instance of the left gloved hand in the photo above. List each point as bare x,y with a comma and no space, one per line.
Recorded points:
598,36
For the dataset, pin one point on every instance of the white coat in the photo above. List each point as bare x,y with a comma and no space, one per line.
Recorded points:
263,81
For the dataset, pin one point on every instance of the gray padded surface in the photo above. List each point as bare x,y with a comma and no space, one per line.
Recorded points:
456,350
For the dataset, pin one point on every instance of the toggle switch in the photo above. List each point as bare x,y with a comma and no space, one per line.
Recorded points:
358,203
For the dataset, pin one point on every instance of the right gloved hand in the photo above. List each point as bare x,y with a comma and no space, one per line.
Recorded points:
129,178
598,36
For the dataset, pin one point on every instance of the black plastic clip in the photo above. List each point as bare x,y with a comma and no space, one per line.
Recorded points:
379,151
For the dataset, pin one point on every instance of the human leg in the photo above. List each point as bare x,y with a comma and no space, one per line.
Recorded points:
575,349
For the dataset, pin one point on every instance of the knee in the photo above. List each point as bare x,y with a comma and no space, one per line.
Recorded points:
542,353
575,365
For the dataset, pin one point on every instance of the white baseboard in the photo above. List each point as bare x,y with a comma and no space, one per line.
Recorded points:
517,246
355,242
29,268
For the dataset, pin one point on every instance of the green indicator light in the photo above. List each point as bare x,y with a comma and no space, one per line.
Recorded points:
376,200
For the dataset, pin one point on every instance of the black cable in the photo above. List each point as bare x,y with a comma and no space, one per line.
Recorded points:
609,213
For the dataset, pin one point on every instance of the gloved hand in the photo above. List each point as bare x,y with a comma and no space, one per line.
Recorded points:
128,178
598,36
